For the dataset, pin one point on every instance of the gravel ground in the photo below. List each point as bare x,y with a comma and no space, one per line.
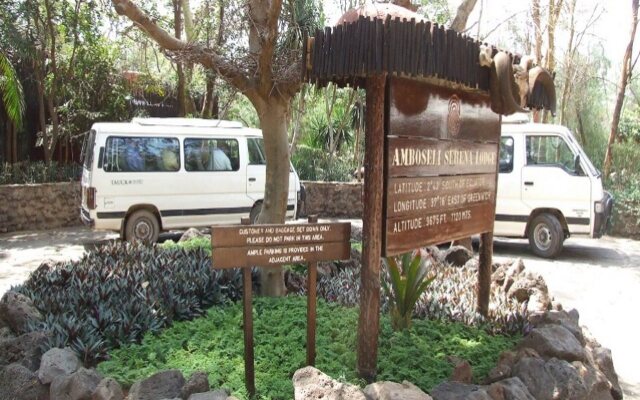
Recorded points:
600,278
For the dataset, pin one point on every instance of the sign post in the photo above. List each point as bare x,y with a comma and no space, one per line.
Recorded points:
273,245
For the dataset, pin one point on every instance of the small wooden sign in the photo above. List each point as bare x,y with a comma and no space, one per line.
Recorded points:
270,246
273,245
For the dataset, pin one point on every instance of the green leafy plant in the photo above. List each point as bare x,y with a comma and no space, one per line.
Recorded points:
117,293
27,172
409,281
214,343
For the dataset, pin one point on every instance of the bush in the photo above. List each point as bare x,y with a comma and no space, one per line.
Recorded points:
318,165
117,293
38,172
201,242
625,187
449,298
215,344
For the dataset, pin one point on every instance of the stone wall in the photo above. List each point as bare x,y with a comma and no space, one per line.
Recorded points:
333,199
41,206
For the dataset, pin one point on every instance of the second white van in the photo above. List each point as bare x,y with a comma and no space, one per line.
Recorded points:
548,189
155,174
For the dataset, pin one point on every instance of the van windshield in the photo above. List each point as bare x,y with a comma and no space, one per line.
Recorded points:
583,156
87,149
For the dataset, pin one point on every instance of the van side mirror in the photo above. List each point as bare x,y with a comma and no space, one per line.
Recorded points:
576,165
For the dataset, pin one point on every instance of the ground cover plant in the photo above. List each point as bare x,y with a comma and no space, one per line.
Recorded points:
117,293
214,343
38,172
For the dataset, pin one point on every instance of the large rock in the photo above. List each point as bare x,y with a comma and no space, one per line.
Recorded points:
17,311
509,389
311,383
525,285
191,233
533,373
56,362
19,383
604,362
568,383
108,389
459,391
596,384
462,371
163,385
569,320
554,341
198,383
395,391
458,255
219,394
78,386
24,349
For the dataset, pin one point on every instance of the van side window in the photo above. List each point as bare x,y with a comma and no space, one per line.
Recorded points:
141,154
256,152
549,150
506,154
211,155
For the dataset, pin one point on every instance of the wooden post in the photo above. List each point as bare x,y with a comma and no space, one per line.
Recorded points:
369,319
247,315
484,272
311,306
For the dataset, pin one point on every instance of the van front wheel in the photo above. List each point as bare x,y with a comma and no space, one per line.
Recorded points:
546,236
142,226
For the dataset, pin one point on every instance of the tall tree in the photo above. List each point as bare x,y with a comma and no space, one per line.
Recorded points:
625,76
11,91
268,75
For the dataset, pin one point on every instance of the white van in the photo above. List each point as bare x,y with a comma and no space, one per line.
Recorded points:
548,189
154,174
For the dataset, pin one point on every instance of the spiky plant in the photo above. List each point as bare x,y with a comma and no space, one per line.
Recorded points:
409,281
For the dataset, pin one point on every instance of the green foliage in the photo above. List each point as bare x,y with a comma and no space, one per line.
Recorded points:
315,164
38,172
215,344
408,282
117,293
448,299
198,243
11,91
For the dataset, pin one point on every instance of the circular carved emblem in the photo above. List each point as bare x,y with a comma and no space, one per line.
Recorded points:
453,119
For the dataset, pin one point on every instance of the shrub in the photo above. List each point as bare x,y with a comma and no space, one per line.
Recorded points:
215,344
318,165
117,293
450,297
200,242
38,172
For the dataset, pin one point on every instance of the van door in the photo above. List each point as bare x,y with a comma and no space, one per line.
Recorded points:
511,213
256,169
550,180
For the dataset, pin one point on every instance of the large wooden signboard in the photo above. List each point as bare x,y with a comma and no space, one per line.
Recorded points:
271,246
441,165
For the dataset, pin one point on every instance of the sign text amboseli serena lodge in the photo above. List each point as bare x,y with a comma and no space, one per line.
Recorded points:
441,165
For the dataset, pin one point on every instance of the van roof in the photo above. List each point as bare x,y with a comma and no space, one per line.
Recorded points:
191,126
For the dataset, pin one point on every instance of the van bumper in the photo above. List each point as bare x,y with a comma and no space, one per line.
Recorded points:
603,210
86,218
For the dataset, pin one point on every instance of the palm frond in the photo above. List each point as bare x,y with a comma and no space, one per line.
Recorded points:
11,91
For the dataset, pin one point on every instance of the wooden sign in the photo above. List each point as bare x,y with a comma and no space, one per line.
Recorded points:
273,245
441,166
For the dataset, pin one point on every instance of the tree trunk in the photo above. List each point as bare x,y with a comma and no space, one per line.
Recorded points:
273,114
583,137
462,15
42,118
207,104
535,16
568,64
625,76
182,84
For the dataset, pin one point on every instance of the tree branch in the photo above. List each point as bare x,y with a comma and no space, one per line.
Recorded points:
207,57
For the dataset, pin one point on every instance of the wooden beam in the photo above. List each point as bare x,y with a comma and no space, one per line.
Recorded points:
484,273
369,319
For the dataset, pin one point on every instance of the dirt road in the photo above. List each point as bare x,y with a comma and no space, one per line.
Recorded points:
600,278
